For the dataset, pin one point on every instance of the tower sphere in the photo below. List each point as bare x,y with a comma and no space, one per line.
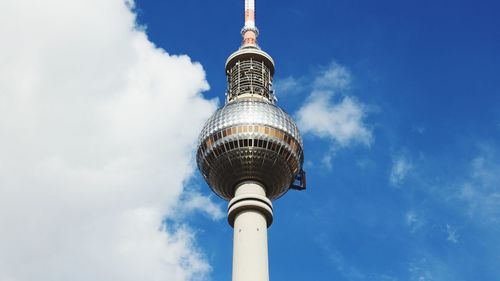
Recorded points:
250,139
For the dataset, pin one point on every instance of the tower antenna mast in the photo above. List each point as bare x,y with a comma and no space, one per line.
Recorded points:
249,30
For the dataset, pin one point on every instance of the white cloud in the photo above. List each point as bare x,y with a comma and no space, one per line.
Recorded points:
414,221
452,234
481,191
342,122
411,218
94,145
338,262
340,119
431,268
334,77
196,202
287,86
401,166
345,267
420,129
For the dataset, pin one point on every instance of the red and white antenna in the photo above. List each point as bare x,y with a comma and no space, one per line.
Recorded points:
249,31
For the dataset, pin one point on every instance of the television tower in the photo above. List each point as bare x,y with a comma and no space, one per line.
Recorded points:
250,152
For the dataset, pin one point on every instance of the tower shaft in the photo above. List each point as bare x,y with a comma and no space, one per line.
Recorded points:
250,214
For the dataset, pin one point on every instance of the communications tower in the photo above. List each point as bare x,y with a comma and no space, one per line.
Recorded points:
250,152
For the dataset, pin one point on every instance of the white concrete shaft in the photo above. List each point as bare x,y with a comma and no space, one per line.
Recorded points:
250,257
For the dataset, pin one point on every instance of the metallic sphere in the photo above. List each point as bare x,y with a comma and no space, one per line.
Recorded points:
250,139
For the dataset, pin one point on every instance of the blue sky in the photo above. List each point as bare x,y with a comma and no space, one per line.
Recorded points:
415,193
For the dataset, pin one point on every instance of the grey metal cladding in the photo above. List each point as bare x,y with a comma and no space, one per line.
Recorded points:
250,112
250,140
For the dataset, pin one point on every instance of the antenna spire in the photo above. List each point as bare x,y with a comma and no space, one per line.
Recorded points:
249,31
